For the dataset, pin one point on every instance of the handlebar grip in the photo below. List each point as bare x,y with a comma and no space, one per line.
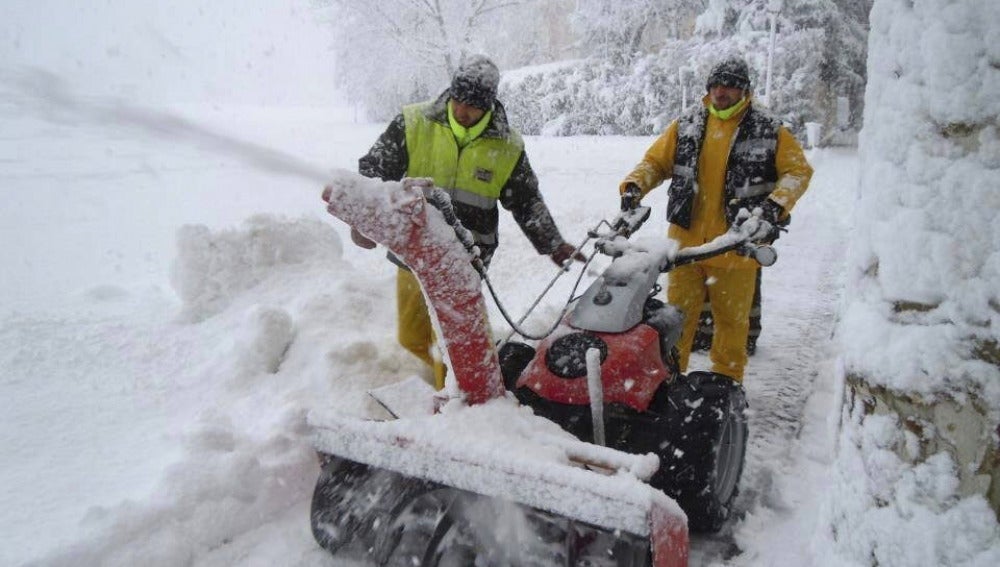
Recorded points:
765,254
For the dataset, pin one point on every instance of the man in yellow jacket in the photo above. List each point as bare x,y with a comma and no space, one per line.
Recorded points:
462,141
721,156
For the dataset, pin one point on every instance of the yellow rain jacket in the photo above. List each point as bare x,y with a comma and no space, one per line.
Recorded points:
717,166
708,218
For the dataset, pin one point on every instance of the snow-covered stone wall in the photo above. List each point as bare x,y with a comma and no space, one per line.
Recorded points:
917,464
925,259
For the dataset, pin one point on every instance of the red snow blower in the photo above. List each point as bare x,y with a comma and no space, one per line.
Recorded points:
618,455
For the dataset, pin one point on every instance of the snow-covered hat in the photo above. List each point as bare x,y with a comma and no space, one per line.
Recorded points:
731,72
475,82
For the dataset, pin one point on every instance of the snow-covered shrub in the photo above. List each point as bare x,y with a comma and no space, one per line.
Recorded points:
598,97
896,499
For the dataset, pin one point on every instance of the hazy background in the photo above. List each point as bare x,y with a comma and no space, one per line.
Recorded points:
234,51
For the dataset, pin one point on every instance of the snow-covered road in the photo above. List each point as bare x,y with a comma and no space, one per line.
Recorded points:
790,382
140,425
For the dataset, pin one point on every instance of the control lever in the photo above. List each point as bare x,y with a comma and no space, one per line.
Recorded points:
627,222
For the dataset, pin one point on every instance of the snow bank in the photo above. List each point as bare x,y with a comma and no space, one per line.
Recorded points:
265,336
288,327
887,511
227,483
211,268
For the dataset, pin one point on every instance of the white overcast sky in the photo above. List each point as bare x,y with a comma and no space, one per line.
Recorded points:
238,51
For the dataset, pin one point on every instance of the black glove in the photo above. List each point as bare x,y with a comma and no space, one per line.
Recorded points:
631,197
773,213
361,240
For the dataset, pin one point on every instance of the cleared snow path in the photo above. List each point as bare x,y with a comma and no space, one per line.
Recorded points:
793,366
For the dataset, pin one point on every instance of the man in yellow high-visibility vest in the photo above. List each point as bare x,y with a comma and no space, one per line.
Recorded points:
463,141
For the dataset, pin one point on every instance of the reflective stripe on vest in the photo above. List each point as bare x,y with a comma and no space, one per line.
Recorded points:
471,199
760,145
756,190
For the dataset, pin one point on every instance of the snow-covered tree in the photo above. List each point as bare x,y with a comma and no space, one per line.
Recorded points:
836,56
534,32
918,467
844,24
619,31
613,29
397,51
712,22
392,52
637,75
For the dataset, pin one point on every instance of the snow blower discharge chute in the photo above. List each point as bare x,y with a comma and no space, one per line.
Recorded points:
611,474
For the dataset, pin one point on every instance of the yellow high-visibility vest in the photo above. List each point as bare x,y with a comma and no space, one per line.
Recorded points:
473,175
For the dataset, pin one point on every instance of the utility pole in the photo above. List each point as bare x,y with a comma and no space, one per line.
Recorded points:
682,77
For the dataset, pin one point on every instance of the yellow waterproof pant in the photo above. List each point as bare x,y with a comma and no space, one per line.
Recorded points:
415,330
730,293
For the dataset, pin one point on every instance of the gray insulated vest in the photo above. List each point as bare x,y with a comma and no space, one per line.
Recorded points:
750,171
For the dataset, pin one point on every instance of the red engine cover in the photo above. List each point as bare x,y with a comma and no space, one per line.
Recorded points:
631,373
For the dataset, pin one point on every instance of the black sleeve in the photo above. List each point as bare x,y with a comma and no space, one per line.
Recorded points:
387,159
521,197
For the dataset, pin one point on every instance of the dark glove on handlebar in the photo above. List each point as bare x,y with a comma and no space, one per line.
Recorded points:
773,212
631,197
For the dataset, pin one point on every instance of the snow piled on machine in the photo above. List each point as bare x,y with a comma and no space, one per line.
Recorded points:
503,450
497,448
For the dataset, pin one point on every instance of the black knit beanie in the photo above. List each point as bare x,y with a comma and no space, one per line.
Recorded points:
732,72
475,82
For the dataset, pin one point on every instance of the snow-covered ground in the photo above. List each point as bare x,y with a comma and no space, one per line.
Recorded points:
172,308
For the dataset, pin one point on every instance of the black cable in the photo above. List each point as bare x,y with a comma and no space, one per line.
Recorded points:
559,319
442,201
